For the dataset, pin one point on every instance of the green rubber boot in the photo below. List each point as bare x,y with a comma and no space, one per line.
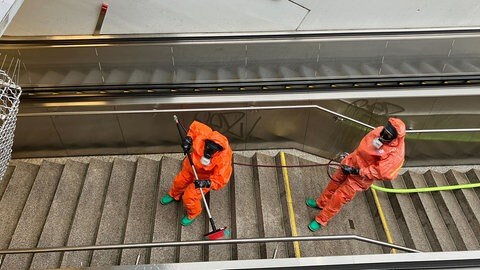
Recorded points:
312,203
166,199
314,226
186,221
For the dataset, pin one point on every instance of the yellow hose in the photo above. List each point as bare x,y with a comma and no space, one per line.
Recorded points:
425,189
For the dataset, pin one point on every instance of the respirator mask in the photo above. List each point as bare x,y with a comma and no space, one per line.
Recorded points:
388,134
209,150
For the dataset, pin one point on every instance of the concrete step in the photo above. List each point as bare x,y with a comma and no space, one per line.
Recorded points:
59,219
87,216
244,210
167,218
389,215
268,206
314,180
143,204
361,222
119,203
409,223
467,198
300,184
34,214
429,214
14,198
220,202
474,177
452,213
115,211
191,233
353,218
6,178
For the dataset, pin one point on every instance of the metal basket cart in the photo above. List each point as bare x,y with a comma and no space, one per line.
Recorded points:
9,102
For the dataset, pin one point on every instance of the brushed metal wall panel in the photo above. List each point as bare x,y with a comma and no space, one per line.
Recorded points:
149,133
275,128
311,130
37,137
90,134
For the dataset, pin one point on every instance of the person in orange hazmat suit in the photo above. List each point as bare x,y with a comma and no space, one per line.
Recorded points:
212,158
379,156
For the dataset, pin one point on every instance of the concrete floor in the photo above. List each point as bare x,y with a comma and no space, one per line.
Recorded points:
72,17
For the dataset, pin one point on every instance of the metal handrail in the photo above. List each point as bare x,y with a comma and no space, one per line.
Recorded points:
249,108
108,40
207,242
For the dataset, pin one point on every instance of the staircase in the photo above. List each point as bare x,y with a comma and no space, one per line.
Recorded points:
99,202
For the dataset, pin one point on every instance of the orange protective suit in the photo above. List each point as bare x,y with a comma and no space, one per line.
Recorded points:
218,172
374,164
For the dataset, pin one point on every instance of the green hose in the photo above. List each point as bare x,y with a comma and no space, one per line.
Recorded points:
425,189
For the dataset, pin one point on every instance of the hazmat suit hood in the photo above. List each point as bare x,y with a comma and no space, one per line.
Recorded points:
221,140
400,128
200,134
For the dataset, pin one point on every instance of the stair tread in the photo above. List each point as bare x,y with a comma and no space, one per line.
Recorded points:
89,209
6,178
166,229
452,213
62,210
270,201
300,185
469,201
388,214
220,202
32,219
140,214
245,216
14,198
407,217
439,236
317,179
115,211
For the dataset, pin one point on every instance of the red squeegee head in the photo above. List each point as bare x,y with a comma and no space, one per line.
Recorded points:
218,234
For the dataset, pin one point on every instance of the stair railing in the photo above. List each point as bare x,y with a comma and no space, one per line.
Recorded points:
248,108
209,242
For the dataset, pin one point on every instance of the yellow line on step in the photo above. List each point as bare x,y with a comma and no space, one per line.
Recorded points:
291,213
382,218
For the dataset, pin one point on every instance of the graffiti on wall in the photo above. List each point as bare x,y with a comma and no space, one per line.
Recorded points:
370,110
230,124
378,108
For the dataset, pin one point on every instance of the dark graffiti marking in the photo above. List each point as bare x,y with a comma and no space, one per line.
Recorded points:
230,124
379,108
